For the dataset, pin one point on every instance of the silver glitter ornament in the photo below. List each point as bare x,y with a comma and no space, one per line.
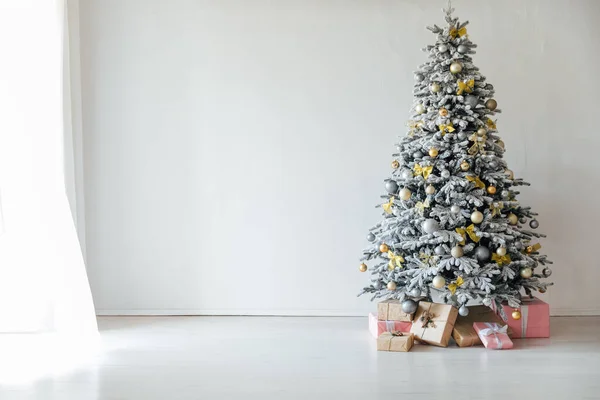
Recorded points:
391,187
505,194
418,154
430,226
371,237
463,311
462,135
546,272
462,49
455,209
419,77
471,100
534,224
522,220
415,292
439,251
487,301
407,174
377,285
445,174
409,306
442,48
482,254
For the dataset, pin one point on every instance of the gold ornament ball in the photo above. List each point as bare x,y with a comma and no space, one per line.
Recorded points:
526,273
433,152
500,143
464,166
391,285
491,190
395,164
363,267
529,249
516,314
481,131
512,219
456,68
510,174
430,189
439,282
383,248
491,104
542,290
477,217
405,194
435,87
501,251
443,112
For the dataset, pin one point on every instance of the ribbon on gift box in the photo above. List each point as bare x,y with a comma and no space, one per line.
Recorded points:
494,329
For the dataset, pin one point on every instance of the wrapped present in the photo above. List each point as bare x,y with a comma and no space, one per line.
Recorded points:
395,341
534,321
433,323
493,335
465,335
377,327
391,310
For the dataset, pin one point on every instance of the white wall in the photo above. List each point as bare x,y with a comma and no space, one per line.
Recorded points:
234,150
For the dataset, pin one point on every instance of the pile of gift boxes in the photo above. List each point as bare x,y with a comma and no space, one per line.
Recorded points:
435,324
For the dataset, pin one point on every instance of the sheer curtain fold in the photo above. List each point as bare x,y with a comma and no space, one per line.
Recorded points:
43,281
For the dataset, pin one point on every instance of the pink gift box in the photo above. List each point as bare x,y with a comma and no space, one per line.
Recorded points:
534,322
493,335
377,327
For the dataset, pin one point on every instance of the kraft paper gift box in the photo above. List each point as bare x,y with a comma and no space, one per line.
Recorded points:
465,335
493,335
391,310
433,323
377,327
534,322
395,341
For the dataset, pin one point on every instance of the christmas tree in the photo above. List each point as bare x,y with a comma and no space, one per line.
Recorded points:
451,220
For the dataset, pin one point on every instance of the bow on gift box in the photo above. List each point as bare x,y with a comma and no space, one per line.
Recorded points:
397,333
494,329
387,207
455,32
465,86
478,144
444,128
496,208
427,319
475,179
420,206
425,171
395,261
455,285
469,230
501,260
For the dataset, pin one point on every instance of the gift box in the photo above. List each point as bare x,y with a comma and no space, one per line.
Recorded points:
433,323
493,335
465,335
534,322
391,310
395,341
377,327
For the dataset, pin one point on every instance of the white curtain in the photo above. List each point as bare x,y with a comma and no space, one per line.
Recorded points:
43,280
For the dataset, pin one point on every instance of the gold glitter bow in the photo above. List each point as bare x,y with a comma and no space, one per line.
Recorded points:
535,247
427,319
445,128
496,208
465,86
421,205
469,230
478,144
413,126
387,207
501,260
395,261
455,32
490,124
456,284
475,179
425,171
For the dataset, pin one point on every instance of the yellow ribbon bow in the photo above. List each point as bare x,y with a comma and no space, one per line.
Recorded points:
501,260
427,258
490,124
387,207
465,86
455,285
454,32
445,128
469,230
425,171
395,261
475,179
413,126
421,205
535,247
478,144
496,208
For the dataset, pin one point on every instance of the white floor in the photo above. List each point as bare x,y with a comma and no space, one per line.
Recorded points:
172,358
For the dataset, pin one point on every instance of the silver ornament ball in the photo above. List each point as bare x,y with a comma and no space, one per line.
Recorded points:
456,67
482,254
463,311
415,292
505,194
449,90
391,187
462,49
439,250
377,285
546,272
409,306
457,252
471,100
493,164
523,220
371,237
534,224
417,154
430,226
462,135
445,174
407,174
442,48
487,301
419,77
455,209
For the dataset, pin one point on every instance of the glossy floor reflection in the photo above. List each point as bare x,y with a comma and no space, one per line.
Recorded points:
171,358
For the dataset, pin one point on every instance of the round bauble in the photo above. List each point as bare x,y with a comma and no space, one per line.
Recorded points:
417,155
430,189
491,189
443,112
463,311
465,166
456,67
487,301
407,174
509,174
445,174
455,209
493,164
482,254
542,290
405,194
438,282
491,104
415,292
435,87
419,77
377,285
523,220
462,49
505,194
534,224
384,248
371,237
481,131
420,109
547,272
477,217
391,187
512,219
526,273
449,90
409,306
430,226
439,250
457,252
391,286
516,314
500,143
471,100
430,109
363,267
442,48
519,245
501,251
462,135
433,152
395,164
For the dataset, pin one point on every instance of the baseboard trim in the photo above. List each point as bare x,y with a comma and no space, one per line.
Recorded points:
296,313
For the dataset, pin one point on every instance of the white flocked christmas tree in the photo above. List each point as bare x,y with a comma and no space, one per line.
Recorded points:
452,225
